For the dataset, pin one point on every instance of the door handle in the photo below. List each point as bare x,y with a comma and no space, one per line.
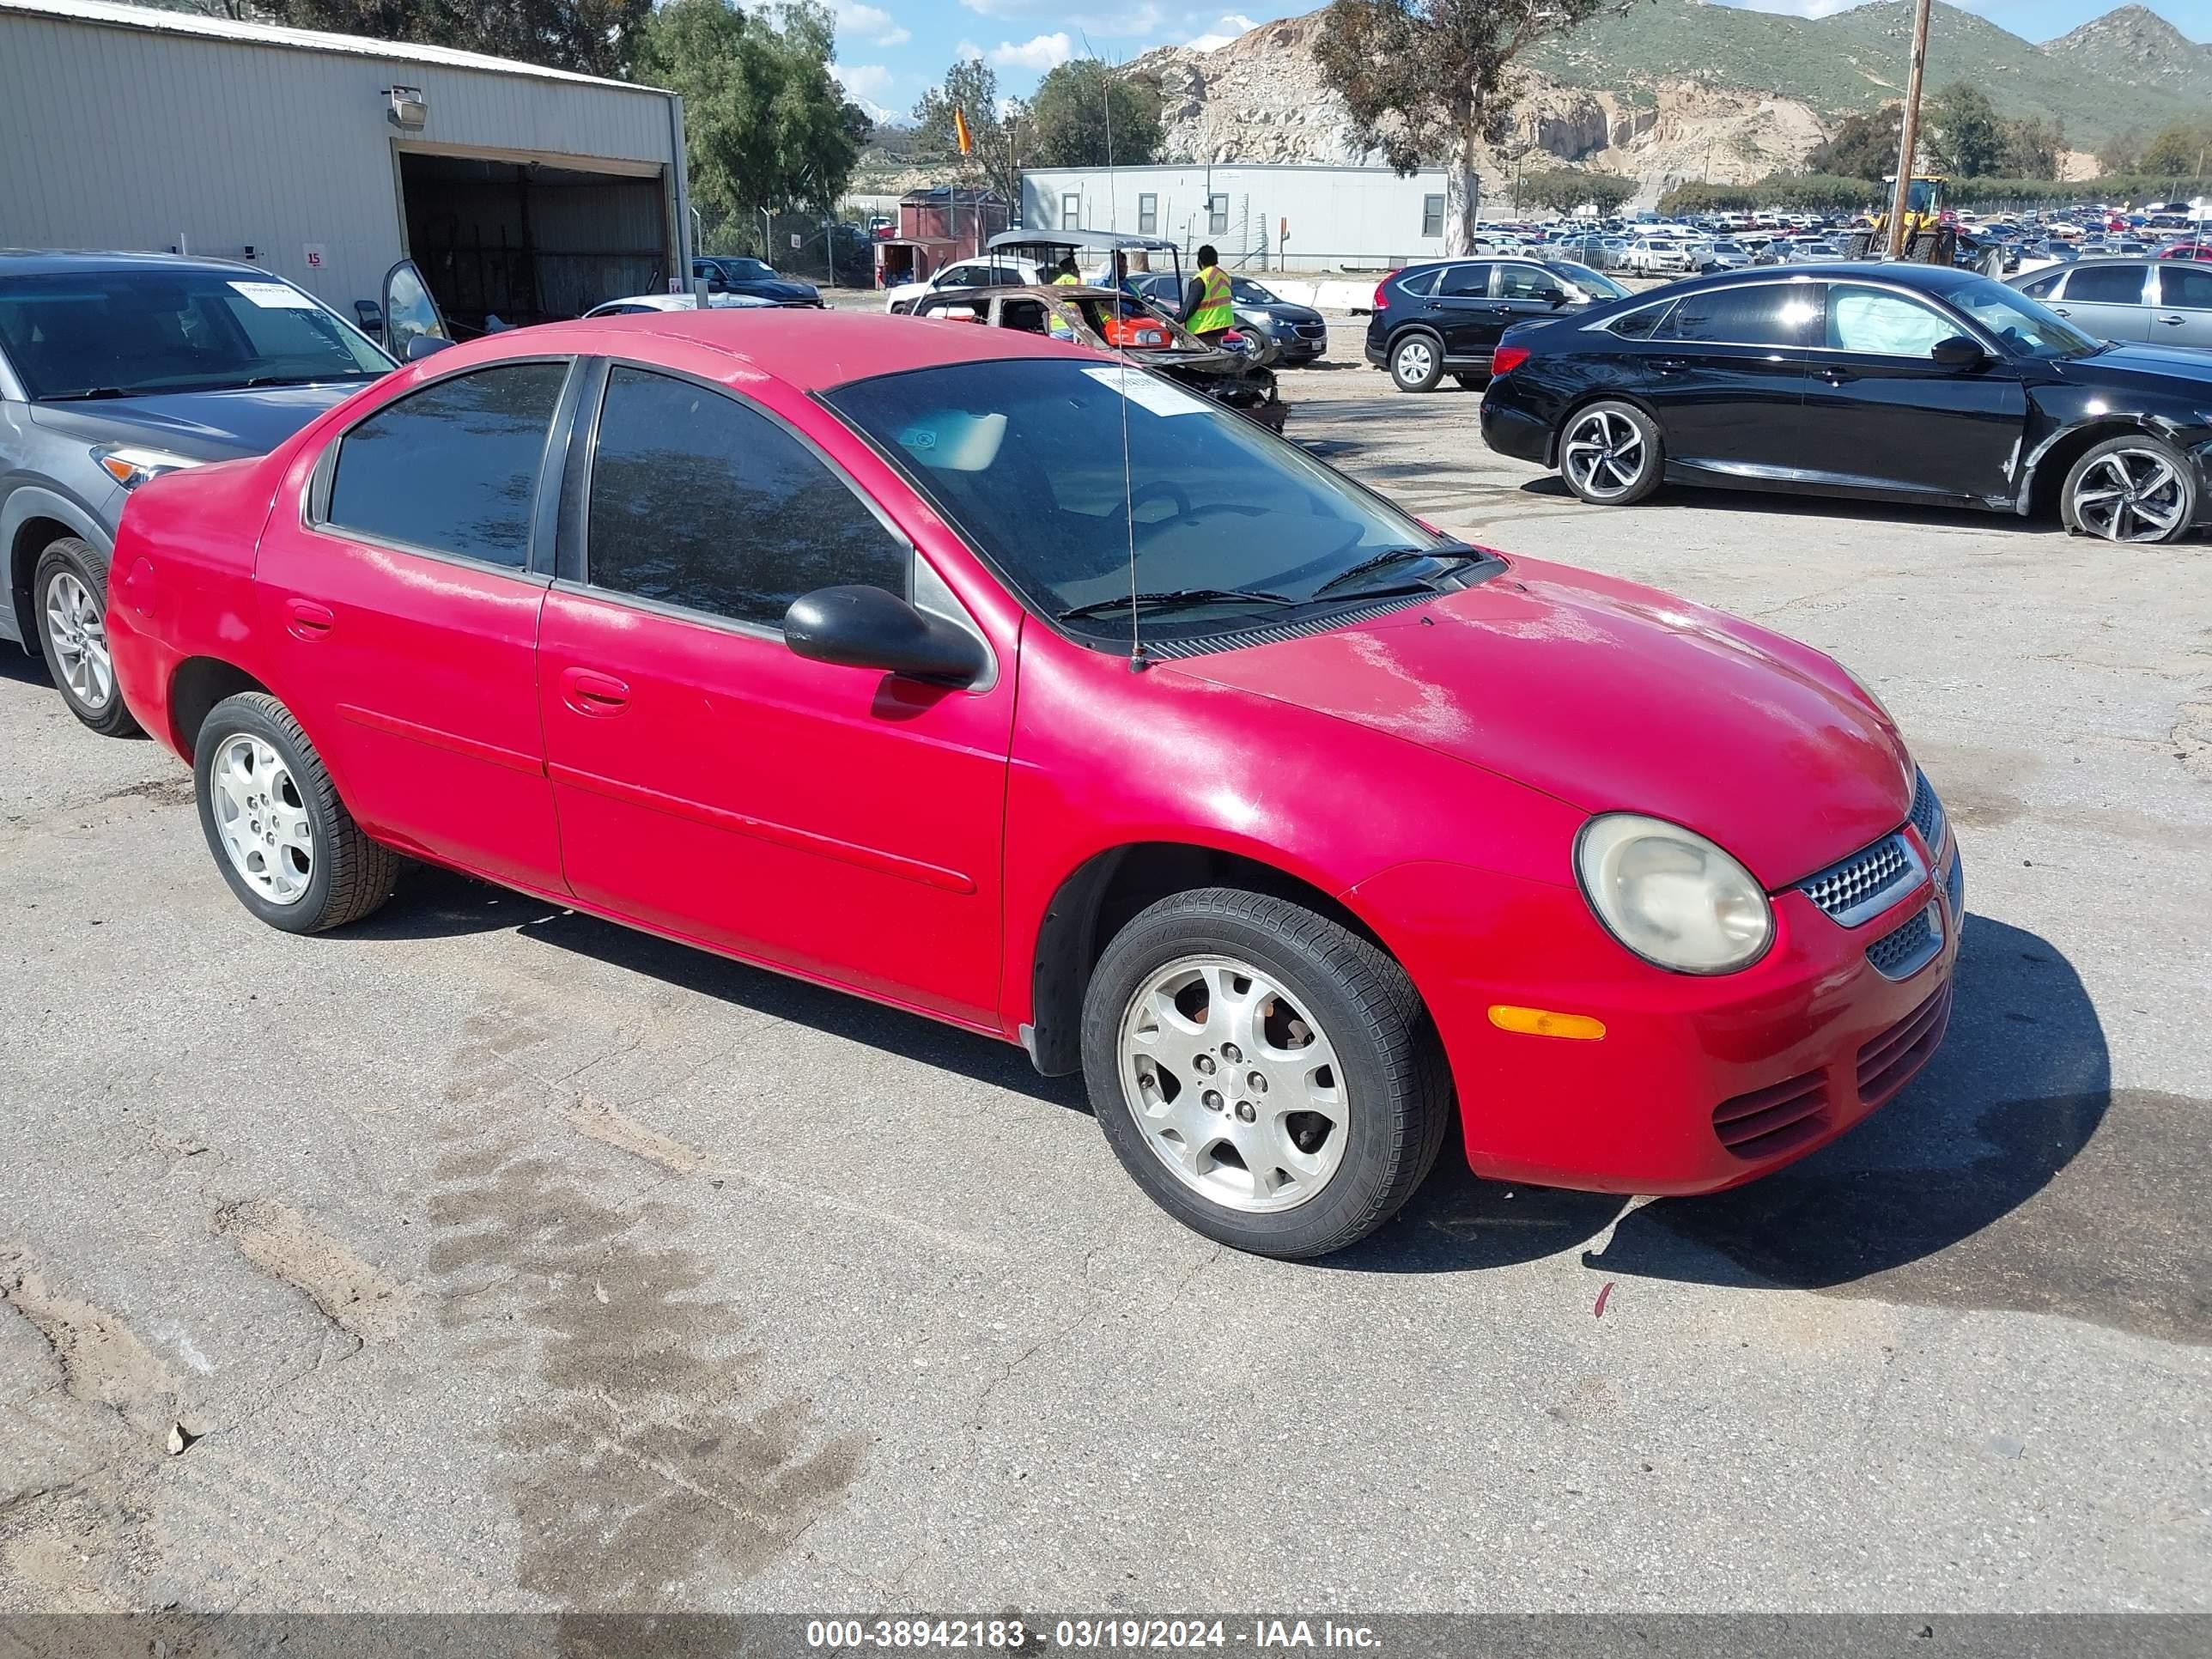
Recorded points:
2173,322
593,693
306,620
2061,311
1670,365
1836,374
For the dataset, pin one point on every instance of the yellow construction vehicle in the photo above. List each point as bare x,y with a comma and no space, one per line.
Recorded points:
1931,230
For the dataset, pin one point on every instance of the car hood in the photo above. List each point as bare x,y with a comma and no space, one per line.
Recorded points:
2153,367
1612,698
1281,311
200,426
783,293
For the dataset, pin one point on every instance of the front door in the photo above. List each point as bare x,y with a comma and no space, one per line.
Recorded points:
1881,413
2183,315
837,821
403,618
1727,379
1465,315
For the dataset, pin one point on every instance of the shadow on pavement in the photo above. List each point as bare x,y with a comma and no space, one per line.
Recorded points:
1700,498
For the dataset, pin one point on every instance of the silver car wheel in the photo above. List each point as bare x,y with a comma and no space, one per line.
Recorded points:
78,634
1604,455
262,821
1417,361
2129,496
1234,1088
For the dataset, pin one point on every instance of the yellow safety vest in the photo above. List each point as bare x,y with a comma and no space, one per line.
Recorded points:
1058,330
1215,308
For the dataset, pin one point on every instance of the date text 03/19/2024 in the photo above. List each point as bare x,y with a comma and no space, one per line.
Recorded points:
1122,1634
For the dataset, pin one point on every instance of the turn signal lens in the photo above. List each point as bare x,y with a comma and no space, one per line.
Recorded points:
1543,1022
1508,358
130,466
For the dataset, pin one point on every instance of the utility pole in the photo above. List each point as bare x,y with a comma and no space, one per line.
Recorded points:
1908,139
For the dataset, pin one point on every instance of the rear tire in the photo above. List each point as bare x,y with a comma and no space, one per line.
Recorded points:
2136,489
68,601
282,839
1611,453
1417,361
1212,1012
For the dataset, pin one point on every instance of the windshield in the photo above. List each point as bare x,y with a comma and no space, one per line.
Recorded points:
1245,291
123,333
748,271
1598,287
1919,195
2023,325
1025,456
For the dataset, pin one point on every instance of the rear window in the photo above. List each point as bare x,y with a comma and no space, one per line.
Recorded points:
2120,285
88,334
1763,314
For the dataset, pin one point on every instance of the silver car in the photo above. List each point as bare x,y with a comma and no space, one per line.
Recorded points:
2135,301
115,368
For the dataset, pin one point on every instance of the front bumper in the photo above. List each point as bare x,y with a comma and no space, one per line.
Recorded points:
1698,1083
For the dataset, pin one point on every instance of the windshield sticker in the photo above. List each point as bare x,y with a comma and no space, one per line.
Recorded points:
276,296
1146,392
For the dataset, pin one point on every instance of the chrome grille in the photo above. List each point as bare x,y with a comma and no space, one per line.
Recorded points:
1868,881
1905,949
1927,811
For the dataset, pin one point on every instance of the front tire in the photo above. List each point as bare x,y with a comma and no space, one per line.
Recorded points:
1416,363
1611,453
2134,489
1472,382
282,839
69,598
1268,1076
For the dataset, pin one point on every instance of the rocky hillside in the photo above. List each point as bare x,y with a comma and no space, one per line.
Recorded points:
1680,89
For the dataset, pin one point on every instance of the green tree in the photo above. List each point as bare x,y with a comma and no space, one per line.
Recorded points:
1862,147
592,37
764,123
1082,104
2121,153
2181,150
1965,136
1564,189
2033,145
970,86
1428,80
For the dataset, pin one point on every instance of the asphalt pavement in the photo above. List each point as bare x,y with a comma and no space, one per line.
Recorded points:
486,1255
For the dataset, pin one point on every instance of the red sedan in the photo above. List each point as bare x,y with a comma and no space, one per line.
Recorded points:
975,674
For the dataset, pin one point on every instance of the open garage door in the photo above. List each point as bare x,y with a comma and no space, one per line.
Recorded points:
530,242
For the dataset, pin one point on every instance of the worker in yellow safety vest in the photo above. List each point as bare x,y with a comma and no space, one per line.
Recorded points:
1068,277
1208,308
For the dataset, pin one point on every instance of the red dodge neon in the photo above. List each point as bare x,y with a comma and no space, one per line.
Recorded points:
980,675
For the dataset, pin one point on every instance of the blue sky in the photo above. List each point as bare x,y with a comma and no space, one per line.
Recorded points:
891,50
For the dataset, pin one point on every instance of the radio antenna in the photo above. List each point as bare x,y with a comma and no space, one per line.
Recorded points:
1137,662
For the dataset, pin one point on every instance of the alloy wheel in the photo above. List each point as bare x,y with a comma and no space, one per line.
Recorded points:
262,820
1234,1086
78,635
2130,495
1604,453
1417,361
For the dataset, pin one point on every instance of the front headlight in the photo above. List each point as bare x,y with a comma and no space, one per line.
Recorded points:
1671,896
131,466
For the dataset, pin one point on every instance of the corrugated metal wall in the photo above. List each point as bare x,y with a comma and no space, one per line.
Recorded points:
126,138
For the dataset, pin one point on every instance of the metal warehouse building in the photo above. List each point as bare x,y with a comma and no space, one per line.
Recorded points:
1288,217
525,191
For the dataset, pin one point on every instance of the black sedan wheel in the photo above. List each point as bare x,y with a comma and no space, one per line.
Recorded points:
2136,489
1610,454
1416,363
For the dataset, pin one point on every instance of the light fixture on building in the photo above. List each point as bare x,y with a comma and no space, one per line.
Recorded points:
410,108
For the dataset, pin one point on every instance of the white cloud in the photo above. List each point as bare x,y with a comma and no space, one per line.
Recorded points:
966,50
1045,51
1232,25
862,80
999,7
1808,7
871,22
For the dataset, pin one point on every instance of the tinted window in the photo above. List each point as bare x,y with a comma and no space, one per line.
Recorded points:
452,467
1421,283
1526,283
700,501
1875,320
1464,282
1640,324
2041,286
1763,314
2118,285
2184,289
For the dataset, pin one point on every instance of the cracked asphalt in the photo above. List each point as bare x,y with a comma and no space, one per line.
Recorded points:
487,1256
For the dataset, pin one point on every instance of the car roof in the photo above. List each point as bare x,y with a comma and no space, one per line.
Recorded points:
807,349
26,262
1904,273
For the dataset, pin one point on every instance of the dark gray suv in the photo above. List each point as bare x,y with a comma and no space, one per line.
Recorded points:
115,368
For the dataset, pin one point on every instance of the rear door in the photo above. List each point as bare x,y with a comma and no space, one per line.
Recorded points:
2183,315
2109,301
1726,374
837,821
1879,412
1464,313
402,610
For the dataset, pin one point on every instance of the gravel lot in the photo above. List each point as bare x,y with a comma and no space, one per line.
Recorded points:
499,1258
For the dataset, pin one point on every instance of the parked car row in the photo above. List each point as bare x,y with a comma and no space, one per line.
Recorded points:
674,618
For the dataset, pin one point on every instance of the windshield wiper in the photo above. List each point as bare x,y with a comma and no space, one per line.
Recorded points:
1176,596
89,395
1394,555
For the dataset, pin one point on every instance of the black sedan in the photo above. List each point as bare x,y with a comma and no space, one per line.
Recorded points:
753,278
1891,382
1299,333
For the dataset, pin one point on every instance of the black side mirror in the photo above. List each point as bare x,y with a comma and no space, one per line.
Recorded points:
1553,296
422,345
1957,352
371,316
859,627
